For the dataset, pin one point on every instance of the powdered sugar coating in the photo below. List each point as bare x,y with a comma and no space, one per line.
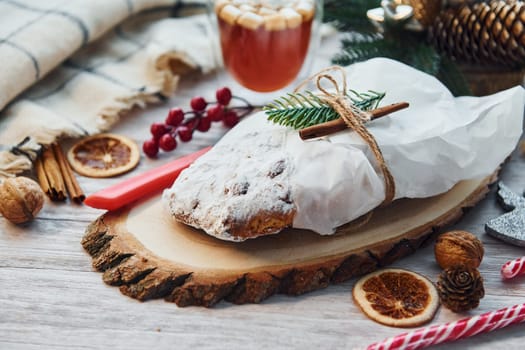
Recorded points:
245,174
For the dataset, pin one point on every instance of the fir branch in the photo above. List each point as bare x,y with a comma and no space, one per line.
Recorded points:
409,49
350,15
366,101
357,48
364,41
301,110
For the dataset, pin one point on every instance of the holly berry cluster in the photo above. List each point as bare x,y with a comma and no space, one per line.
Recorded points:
182,124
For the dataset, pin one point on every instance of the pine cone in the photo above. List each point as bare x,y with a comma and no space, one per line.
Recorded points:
485,33
460,288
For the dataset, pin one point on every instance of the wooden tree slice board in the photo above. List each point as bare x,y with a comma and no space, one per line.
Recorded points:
143,251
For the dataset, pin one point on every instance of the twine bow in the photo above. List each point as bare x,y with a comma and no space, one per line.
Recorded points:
354,118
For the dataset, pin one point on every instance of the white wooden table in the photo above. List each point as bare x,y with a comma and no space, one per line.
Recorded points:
51,298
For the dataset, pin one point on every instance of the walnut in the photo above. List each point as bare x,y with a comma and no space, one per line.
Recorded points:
20,199
458,248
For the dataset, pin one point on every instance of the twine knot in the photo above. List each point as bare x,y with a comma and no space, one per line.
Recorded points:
354,118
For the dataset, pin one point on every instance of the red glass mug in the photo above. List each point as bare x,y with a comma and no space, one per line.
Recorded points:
266,43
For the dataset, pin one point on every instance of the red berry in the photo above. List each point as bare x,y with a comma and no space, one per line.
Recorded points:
198,104
175,117
223,95
185,133
158,129
204,124
150,148
167,143
230,119
215,113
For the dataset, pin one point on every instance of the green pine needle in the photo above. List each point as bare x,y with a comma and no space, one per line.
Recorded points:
301,110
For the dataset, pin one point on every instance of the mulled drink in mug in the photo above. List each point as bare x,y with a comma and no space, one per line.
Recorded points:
265,44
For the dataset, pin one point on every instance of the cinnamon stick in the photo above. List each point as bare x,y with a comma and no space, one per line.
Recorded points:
336,125
42,177
73,188
57,188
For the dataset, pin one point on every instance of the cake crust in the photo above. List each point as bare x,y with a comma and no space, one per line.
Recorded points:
238,190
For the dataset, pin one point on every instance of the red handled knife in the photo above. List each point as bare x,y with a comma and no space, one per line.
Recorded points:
136,187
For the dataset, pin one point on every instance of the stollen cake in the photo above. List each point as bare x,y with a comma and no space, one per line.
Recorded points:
261,177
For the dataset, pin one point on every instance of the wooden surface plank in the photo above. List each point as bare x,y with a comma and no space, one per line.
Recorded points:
50,297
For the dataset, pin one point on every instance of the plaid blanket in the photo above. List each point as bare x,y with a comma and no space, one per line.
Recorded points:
85,63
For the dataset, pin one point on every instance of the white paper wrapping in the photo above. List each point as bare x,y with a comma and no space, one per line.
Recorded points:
435,143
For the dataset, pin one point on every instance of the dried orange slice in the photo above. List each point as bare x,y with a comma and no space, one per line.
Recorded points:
103,155
396,297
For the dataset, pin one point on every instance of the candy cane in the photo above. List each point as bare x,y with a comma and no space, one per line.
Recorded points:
451,331
513,268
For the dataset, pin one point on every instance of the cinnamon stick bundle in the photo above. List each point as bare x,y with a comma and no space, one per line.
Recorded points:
56,176
73,188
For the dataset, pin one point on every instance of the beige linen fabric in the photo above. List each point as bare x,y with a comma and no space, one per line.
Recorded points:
91,60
